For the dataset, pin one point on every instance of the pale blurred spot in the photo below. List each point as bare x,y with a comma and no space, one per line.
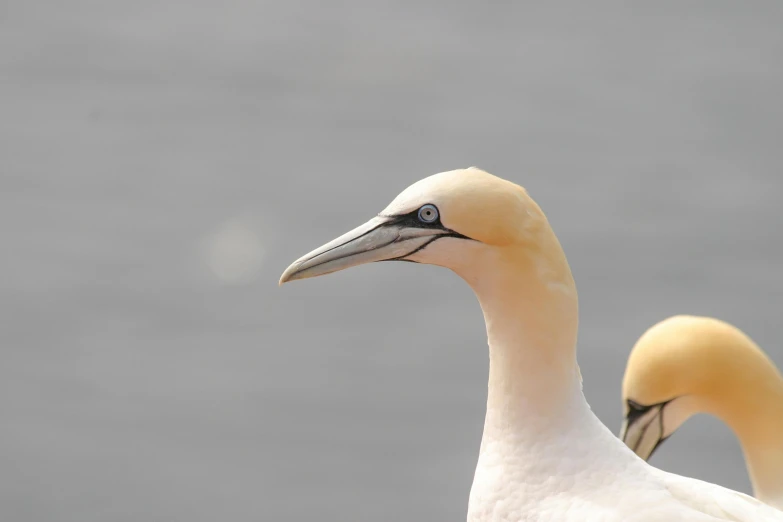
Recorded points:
235,252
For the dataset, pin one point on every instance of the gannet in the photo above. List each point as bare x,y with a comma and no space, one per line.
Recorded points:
686,365
544,455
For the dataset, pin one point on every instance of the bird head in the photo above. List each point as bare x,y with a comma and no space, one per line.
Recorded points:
463,219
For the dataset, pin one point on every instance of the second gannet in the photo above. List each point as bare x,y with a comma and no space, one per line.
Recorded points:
686,365
544,455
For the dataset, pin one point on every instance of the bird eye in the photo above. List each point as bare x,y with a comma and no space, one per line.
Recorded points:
428,213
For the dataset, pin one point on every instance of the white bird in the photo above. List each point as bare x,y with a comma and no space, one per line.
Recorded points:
544,455
686,365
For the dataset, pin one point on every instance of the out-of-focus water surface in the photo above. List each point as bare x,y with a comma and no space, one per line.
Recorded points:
161,163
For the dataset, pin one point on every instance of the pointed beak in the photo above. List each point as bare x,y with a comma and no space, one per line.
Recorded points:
643,431
380,239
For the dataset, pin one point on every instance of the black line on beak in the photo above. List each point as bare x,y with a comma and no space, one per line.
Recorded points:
411,220
657,444
636,411
376,227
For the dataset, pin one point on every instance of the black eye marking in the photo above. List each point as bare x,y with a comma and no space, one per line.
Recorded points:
636,410
636,406
425,217
431,220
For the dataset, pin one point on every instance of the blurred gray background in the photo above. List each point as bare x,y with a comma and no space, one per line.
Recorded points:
162,162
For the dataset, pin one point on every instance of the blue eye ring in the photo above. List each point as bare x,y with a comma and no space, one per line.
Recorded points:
428,213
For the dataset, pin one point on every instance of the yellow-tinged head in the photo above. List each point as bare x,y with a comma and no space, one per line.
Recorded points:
686,365
493,235
479,205
454,219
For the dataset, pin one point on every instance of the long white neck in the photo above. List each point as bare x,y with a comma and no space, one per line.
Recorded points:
533,374
537,419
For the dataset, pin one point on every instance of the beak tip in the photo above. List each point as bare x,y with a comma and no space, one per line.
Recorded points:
364,244
289,274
